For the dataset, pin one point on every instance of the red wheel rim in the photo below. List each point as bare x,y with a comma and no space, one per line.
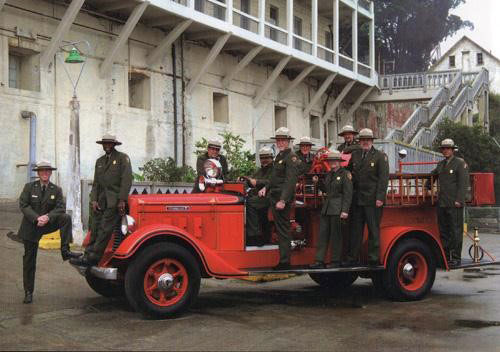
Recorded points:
412,271
177,290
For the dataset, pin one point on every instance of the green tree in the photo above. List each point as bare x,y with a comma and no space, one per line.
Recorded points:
494,112
407,30
241,162
475,146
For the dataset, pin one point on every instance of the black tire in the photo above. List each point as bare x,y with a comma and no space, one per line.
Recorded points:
414,284
106,288
158,303
335,281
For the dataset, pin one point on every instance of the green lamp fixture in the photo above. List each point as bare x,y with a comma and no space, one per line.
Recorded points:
74,57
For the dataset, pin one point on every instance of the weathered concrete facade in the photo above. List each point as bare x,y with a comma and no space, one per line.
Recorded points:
142,118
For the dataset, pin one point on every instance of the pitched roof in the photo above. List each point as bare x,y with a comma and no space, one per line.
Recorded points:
450,50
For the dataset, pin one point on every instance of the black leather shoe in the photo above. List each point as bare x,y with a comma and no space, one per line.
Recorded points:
317,265
282,266
28,297
67,254
333,265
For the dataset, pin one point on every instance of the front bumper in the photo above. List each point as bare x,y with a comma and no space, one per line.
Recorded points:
100,272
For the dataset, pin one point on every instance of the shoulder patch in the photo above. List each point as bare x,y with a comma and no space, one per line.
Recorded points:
465,166
349,175
385,157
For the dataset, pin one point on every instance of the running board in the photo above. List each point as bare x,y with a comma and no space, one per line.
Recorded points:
469,263
306,270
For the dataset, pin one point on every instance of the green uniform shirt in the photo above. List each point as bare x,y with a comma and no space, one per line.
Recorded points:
338,188
452,175
112,179
370,176
33,205
284,176
305,165
261,177
349,148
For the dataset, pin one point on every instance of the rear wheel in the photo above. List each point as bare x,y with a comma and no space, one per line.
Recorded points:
106,288
163,281
410,272
334,281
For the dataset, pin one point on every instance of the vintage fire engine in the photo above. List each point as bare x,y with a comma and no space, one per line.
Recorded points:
167,243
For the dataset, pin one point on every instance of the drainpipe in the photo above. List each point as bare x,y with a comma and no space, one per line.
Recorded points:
32,159
183,85
174,81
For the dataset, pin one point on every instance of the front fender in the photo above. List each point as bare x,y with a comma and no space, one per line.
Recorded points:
212,262
390,235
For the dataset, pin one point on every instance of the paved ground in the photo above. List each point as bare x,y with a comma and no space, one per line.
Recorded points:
461,313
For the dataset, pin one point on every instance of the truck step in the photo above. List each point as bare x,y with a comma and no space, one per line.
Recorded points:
300,269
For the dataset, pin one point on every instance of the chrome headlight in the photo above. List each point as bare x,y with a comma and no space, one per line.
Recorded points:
212,168
128,225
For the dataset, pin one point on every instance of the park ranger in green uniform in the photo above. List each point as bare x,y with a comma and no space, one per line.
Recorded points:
110,190
44,210
370,172
257,224
305,146
452,174
213,152
281,192
350,143
338,188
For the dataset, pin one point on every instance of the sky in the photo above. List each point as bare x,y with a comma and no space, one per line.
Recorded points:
485,15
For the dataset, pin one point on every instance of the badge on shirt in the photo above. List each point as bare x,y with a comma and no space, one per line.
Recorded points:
372,164
34,196
279,162
114,162
52,196
451,171
338,178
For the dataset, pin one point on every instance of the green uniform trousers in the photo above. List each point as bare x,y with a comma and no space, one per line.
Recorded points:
282,223
63,224
104,223
257,223
330,232
451,225
370,216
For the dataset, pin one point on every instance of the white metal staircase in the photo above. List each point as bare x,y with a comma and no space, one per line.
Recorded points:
449,102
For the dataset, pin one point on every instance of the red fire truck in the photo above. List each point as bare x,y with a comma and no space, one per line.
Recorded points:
167,243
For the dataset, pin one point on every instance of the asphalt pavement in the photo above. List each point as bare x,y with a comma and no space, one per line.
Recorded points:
461,313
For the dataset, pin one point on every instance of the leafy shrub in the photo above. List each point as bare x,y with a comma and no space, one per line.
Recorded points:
165,170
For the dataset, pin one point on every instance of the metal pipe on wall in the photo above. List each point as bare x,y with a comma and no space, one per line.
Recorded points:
32,152
174,92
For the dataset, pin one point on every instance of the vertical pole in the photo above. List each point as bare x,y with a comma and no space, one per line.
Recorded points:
336,28
74,203
355,37
191,4
289,21
262,18
229,11
314,28
372,40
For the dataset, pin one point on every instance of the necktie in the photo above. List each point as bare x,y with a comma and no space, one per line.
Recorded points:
43,190
364,155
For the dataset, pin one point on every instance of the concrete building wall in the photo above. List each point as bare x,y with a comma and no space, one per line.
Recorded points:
145,133
465,53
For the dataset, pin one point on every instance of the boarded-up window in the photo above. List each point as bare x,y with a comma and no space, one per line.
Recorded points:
221,108
24,69
314,125
279,117
139,91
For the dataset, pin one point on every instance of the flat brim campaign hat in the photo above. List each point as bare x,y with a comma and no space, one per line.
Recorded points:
109,138
282,133
347,129
44,165
366,133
